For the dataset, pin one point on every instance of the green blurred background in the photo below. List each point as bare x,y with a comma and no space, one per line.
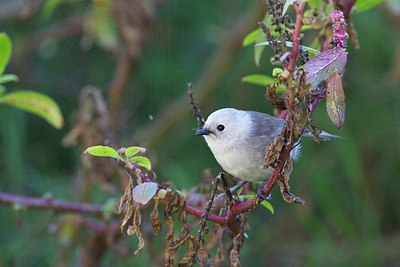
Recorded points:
351,186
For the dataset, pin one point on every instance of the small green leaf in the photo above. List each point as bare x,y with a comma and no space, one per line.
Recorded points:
258,79
314,3
264,203
8,78
36,103
251,37
103,151
268,206
143,193
133,150
364,5
276,71
142,161
5,51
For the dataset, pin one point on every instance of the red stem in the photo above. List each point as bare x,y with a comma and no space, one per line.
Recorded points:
296,36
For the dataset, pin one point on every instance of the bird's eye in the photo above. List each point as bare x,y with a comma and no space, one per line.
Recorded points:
220,127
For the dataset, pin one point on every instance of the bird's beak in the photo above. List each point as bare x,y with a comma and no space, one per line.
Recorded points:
203,131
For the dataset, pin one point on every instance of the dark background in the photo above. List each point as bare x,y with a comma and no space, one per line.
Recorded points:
351,186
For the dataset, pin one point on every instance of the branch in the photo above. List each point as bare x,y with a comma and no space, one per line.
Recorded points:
52,204
203,223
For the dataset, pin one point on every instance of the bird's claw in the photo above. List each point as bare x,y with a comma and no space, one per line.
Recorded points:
261,195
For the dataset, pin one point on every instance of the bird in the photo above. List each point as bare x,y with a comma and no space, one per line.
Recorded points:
238,139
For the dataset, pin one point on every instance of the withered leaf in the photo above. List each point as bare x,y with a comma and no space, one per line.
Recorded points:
272,151
169,220
283,182
172,249
126,206
234,255
335,99
155,219
189,251
135,229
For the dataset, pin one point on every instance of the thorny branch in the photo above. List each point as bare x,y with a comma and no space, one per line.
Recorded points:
203,223
195,106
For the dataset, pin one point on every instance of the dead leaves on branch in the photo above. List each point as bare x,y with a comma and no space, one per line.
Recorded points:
283,182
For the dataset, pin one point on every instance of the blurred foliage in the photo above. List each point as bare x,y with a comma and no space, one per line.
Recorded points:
351,216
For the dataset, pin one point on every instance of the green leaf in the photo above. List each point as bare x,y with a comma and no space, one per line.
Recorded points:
143,193
133,150
8,78
103,151
258,79
36,103
101,24
5,51
290,44
258,51
264,203
251,37
2,90
268,206
314,3
142,161
364,5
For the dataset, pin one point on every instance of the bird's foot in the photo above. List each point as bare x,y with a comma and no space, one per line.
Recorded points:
261,195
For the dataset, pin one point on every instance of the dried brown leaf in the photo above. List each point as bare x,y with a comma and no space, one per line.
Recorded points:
189,251
169,220
141,242
272,151
283,182
126,206
155,219
238,241
135,229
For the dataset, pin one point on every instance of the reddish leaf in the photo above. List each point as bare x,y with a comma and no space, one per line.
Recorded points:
143,193
320,67
335,99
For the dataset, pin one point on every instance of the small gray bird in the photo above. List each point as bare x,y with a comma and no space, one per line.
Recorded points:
238,140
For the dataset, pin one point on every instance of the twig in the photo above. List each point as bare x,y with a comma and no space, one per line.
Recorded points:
52,204
203,222
195,106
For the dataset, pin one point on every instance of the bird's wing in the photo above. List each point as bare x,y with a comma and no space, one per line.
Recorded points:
265,125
